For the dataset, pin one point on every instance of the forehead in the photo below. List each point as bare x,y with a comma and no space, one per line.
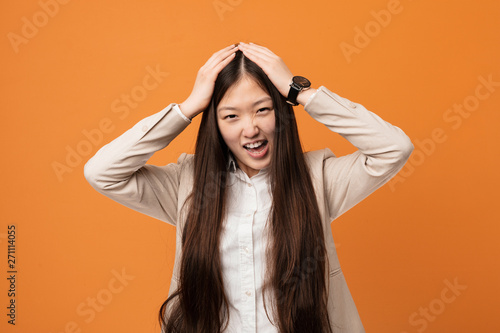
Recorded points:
243,94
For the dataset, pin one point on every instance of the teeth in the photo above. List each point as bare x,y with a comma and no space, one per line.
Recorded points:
254,145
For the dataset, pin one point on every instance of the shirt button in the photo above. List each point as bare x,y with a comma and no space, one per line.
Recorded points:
144,128
248,293
352,105
246,250
249,185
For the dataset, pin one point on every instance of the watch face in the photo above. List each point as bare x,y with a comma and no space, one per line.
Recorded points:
301,81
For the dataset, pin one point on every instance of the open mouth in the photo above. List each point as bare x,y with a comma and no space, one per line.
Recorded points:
257,147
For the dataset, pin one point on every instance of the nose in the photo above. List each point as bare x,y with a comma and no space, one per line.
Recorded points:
250,127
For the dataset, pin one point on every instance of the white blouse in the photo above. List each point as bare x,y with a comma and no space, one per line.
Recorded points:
243,250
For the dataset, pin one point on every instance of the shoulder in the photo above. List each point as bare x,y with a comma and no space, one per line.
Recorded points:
316,157
185,162
185,159
315,161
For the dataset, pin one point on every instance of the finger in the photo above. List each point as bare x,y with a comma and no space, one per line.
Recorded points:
257,46
224,63
229,47
260,48
222,54
262,54
221,62
259,58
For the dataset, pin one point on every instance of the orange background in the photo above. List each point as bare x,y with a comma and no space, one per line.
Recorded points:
398,248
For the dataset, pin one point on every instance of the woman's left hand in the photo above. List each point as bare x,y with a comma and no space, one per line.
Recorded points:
271,64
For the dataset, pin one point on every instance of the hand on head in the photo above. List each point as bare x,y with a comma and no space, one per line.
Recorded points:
203,88
271,64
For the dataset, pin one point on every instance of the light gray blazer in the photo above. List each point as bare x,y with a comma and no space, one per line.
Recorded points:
119,171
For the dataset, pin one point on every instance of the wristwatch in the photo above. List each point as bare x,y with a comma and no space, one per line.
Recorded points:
298,84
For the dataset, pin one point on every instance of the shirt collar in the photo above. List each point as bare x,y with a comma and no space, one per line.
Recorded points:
231,163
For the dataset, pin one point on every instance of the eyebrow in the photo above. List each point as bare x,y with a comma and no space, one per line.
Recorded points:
254,104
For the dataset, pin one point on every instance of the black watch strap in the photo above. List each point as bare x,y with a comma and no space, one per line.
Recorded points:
292,94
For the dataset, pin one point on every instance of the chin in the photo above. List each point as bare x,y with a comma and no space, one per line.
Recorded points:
258,166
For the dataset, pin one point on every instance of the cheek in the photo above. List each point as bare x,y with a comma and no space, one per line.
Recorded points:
270,126
270,131
228,134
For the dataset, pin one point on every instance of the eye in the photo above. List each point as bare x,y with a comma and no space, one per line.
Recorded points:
230,116
264,109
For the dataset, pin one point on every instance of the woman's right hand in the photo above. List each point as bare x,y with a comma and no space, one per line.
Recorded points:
205,81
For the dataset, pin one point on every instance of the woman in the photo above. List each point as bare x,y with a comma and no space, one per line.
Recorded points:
254,248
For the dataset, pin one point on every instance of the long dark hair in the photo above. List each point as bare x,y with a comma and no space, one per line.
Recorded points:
296,271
